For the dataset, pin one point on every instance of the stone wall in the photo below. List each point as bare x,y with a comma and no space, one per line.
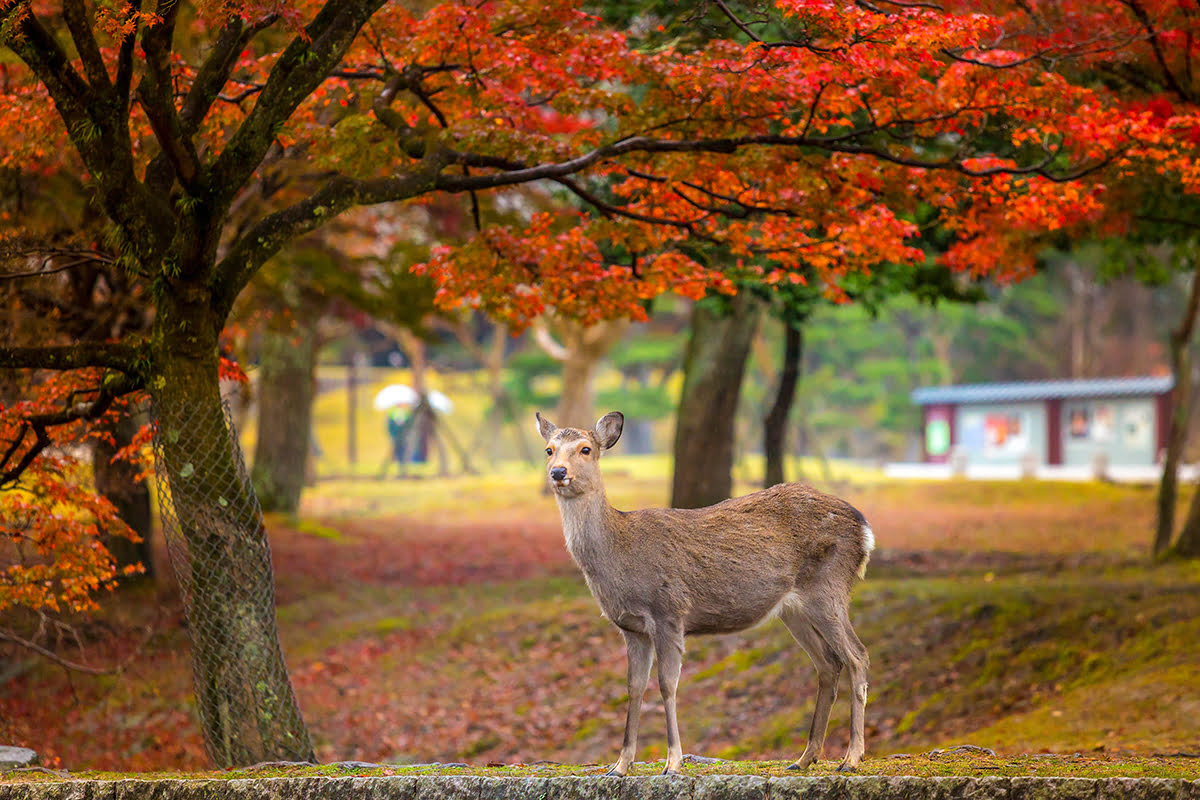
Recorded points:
710,787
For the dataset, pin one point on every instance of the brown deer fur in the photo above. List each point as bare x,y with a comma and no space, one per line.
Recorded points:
660,574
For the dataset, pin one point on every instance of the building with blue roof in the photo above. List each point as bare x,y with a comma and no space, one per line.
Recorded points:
1122,421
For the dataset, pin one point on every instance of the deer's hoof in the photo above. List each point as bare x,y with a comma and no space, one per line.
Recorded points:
803,762
613,772
669,771
848,766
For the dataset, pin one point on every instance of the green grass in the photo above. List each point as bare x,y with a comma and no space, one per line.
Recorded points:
934,764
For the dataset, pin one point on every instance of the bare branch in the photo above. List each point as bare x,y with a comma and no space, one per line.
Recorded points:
742,26
74,666
79,258
548,343
1182,223
39,273
124,78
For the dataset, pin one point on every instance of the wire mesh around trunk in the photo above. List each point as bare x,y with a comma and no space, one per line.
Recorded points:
218,547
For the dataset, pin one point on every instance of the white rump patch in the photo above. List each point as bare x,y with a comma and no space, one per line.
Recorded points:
868,546
791,600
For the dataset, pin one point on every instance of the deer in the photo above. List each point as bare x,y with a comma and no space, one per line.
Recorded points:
660,574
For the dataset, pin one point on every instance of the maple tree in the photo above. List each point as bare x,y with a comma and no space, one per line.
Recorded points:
798,158
1146,53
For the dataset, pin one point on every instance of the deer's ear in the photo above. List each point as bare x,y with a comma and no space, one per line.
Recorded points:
608,429
545,427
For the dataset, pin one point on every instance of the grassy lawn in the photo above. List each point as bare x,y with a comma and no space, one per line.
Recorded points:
441,619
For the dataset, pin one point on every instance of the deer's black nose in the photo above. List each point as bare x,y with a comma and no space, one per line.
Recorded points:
558,473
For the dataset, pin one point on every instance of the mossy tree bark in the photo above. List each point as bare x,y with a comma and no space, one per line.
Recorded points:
721,334
247,707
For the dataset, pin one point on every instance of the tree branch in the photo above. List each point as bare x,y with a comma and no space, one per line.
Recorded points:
1189,224
98,130
120,357
550,346
74,666
512,175
304,64
337,194
112,387
124,78
42,53
216,69
1152,34
156,96
76,17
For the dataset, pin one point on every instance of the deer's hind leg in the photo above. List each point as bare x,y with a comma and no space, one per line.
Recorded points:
830,621
857,661
829,669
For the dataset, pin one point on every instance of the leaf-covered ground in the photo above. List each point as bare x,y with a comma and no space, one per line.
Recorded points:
1019,617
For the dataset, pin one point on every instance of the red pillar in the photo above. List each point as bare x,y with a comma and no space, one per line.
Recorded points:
1054,431
1162,421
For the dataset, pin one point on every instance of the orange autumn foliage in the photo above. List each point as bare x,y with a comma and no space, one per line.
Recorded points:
51,520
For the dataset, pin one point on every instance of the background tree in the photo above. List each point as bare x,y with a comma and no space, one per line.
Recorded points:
929,283
720,333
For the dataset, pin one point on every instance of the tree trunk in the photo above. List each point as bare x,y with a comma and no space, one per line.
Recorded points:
575,406
129,494
286,387
1188,543
775,424
1181,367
219,548
712,381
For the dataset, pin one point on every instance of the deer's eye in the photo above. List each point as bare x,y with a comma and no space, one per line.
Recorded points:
549,451
585,450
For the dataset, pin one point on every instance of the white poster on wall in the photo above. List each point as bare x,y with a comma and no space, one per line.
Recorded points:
1136,426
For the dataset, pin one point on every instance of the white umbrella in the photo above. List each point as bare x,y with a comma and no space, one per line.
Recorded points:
439,402
396,394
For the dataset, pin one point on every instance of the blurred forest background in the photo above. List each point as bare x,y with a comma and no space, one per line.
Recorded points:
859,363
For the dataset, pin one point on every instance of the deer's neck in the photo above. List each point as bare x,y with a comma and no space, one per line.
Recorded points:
587,527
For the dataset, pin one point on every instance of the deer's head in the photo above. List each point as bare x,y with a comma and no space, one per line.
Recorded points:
573,455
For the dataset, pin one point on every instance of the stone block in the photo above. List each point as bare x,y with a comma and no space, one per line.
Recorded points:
729,787
515,789
588,787
16,757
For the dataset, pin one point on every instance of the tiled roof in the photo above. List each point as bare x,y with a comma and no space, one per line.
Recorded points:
1043,390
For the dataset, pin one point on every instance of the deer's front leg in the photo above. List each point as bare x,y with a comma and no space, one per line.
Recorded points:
668,644
640,652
